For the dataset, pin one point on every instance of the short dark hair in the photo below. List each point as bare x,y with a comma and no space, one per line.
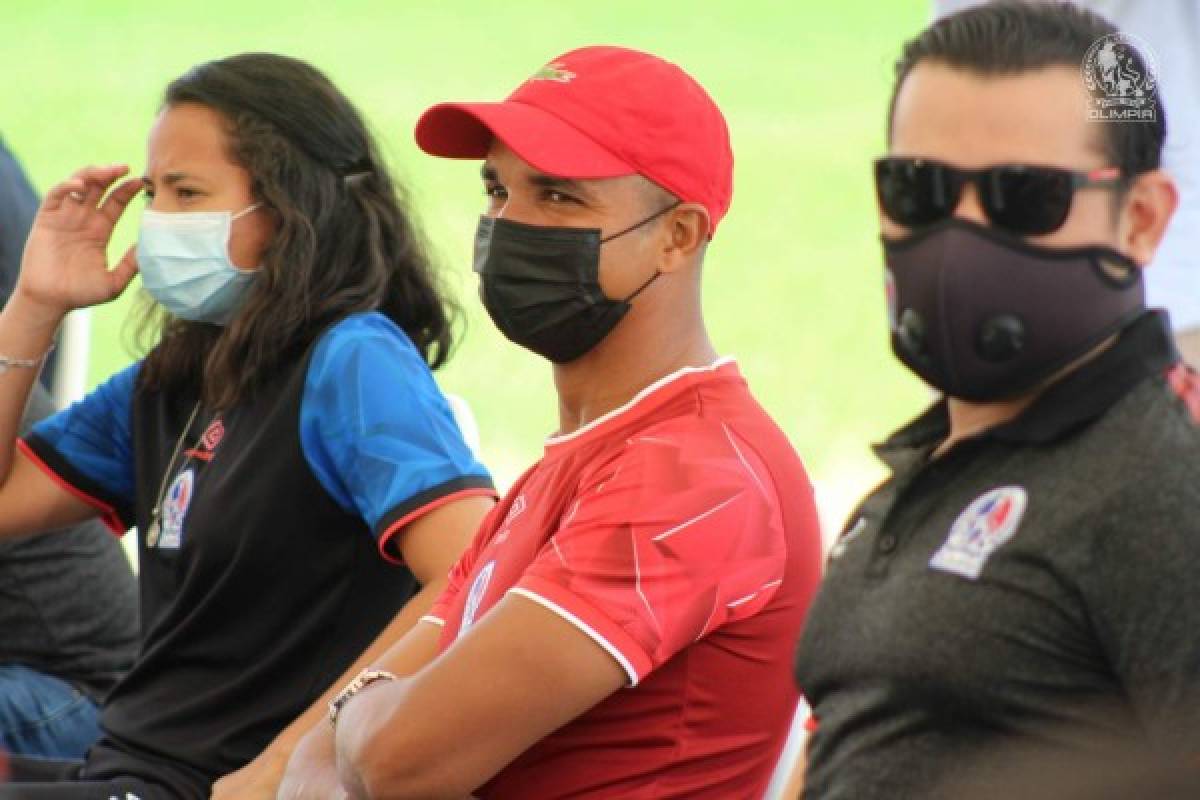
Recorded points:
1008,37
344,241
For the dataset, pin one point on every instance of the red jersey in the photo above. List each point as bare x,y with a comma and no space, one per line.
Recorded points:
679,533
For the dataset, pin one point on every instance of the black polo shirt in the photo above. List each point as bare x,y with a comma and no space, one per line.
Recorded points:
1020,616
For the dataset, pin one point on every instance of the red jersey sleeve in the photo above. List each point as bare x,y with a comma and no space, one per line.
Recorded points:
679,534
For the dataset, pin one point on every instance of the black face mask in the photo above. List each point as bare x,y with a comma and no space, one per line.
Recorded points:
983,315
541,285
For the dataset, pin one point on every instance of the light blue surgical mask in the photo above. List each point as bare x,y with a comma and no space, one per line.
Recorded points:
184,260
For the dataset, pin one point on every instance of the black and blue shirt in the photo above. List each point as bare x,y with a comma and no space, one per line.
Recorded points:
275,561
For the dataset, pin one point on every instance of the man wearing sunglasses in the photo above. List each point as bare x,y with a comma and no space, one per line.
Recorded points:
1015,612
1171,29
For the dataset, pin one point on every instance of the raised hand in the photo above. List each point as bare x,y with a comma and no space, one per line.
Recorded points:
65,265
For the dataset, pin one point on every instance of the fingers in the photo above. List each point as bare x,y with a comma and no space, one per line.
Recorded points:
96,181
118,199
85,187
123,272
60,192
91,195
101,176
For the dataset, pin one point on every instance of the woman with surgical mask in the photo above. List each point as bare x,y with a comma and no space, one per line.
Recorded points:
298,483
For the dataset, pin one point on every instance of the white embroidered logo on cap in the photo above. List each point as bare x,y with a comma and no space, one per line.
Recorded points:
986,524
556,71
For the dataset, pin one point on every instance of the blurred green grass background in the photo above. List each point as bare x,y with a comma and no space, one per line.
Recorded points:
793,283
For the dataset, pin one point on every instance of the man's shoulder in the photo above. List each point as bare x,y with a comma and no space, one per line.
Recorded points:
1136,467
1154,429
683,452
704,429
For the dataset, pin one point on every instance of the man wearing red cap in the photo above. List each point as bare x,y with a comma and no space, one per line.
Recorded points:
622,624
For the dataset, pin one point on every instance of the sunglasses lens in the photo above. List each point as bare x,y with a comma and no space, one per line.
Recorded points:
913,192
1028,200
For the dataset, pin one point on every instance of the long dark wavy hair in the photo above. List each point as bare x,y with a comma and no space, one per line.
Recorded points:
343,242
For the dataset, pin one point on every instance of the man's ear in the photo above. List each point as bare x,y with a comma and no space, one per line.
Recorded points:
685,235
1145,211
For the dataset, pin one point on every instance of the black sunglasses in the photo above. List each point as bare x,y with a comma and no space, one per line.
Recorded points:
1022,199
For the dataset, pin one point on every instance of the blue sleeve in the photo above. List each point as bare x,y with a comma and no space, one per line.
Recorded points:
89,447
376,430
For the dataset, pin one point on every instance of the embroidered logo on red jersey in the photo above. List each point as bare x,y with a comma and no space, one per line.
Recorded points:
475,596
514,511
986,524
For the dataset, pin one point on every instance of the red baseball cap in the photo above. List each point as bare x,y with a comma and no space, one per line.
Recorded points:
601,112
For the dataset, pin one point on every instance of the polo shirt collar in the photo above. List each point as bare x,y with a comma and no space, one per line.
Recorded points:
1144,348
